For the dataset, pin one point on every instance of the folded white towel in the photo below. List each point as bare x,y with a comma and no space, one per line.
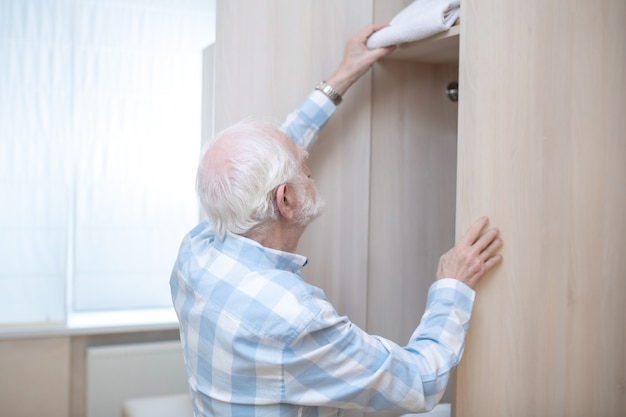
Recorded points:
419,20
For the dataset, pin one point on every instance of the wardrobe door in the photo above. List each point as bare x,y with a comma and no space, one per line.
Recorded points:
268,56
542,151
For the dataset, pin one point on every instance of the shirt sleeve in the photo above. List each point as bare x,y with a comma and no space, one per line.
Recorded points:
303,124
339,365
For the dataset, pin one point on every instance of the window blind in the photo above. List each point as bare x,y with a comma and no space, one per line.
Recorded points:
100,106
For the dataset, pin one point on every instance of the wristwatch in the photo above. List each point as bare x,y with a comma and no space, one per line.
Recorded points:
330,92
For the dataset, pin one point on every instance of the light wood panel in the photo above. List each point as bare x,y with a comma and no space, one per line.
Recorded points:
269,56
542,150
35,377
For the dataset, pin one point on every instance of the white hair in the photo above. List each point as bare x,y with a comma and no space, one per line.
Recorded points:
238,174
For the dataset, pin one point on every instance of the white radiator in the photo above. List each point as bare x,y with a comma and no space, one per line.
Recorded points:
116,373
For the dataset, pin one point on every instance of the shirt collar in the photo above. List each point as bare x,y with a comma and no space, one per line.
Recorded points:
255,255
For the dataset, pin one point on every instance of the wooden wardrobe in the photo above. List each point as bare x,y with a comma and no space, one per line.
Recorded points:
536,141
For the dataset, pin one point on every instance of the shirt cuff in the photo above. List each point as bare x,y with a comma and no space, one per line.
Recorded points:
323,100
304,123
451,291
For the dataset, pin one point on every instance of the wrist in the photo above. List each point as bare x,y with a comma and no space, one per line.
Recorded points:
330,92
341,80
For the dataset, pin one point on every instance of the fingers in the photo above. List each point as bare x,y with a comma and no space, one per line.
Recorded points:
486,266
473,232
363,35
376,54
367,31
491,262
487,247
474,278
485,240
495,243
357,59
376,27
474,255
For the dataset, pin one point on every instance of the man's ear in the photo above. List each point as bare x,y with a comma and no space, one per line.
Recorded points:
286,200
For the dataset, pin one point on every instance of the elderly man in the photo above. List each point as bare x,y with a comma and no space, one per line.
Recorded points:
258,339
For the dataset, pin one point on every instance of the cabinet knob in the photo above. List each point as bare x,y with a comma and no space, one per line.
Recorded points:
452,91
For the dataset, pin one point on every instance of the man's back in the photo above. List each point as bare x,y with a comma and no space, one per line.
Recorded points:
241,313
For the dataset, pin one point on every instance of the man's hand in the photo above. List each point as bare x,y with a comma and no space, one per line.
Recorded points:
473,255
357,59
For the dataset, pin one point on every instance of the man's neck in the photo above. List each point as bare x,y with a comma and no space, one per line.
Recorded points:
279,236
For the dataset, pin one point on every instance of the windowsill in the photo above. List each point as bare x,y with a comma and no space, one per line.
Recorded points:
97,323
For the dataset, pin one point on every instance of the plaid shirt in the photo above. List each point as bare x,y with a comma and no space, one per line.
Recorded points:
260,341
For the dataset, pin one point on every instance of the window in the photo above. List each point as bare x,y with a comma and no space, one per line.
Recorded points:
100,104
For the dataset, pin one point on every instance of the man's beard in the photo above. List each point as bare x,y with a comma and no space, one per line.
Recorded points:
309,207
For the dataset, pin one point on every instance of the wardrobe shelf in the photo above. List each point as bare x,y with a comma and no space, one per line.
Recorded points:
440,48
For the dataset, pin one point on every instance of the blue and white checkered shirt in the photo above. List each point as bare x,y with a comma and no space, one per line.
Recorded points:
260,341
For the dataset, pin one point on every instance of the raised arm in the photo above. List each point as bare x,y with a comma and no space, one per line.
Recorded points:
304,123
357,59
